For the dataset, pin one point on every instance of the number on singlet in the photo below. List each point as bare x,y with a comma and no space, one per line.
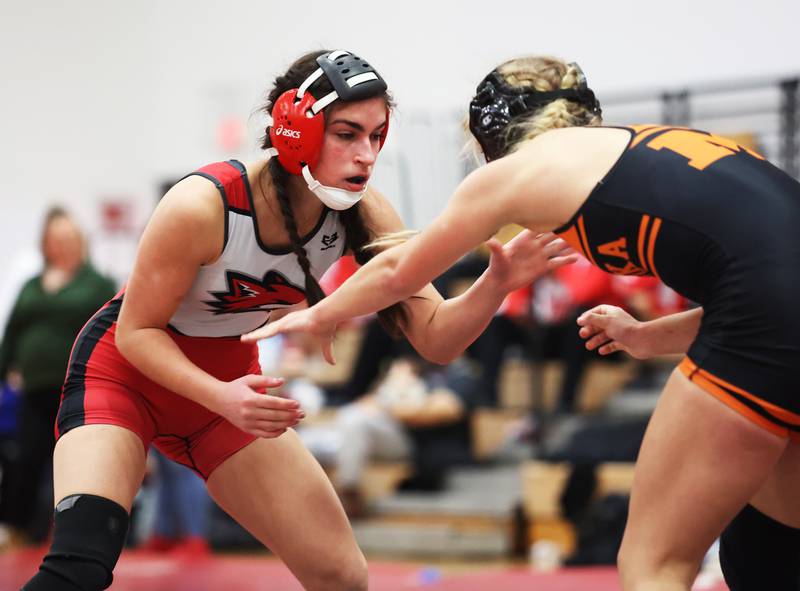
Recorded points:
700,149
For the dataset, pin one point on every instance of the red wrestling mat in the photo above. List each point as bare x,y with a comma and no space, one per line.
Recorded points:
568,579
152,572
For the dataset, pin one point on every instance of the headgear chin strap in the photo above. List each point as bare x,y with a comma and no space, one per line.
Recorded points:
497,103
333,197
298,123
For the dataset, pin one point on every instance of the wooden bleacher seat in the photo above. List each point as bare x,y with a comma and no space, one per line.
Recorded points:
542,485
490,429
522,381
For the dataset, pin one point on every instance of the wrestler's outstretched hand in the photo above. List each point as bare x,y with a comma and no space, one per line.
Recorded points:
526,257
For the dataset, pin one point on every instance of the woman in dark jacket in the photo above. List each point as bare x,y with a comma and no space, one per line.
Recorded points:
49,311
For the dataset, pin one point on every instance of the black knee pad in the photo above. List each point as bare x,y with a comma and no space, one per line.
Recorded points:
756,553
88,536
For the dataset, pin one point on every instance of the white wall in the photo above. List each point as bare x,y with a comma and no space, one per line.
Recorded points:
106,98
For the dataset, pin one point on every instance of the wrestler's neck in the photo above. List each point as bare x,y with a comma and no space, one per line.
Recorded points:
306,207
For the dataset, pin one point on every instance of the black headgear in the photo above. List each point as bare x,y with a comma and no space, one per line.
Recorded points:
497,103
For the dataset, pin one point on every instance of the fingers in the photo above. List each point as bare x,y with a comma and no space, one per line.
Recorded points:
266,425
601,320
267,421
601,309
556,262
538,241
523,236
609,348
599,316
268,429
557,247
603,344
277,403
588,331
327,352
583,319
495,246
262,381
265,332
593,329
546,237
601,338
526,241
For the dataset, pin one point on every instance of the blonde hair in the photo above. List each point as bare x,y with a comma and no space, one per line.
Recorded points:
389,240
543,73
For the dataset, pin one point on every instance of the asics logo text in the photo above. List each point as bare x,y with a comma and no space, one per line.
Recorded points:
287,132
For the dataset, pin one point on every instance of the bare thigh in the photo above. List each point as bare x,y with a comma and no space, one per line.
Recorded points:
779,497
699,464
280,494
103,460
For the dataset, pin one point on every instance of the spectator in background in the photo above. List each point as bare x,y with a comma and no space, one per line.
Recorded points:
48,313
540,319
376,349
440,426
418,412
396,406
557,301
182,511
647,298
560,297
9,451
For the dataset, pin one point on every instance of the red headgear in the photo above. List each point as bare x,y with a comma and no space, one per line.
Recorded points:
298,122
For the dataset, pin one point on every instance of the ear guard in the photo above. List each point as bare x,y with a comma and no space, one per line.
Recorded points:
497,103
298,120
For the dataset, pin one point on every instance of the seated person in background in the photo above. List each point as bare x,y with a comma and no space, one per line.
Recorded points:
440,423
375,352
418,412
510,326
558,299
541,319
376,348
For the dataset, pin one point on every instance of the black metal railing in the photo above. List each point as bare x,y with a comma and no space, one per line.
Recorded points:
766,108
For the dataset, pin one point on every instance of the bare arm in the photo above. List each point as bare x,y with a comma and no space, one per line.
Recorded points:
186,231
538,187
455,323
673,333
440,330
609,329
404,270
167,261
